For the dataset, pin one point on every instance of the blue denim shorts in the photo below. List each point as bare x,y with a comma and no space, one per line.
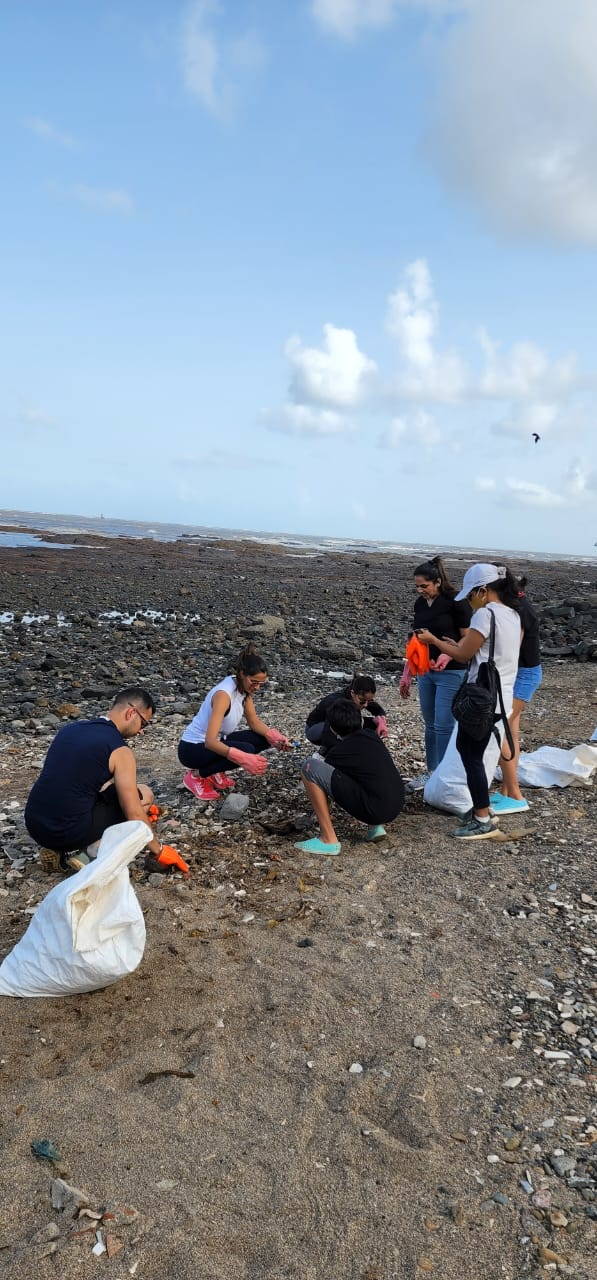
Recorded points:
527,682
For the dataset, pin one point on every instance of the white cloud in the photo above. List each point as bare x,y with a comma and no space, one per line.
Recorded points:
335,374
515,124
345,18
412,315
419,429
485,484
528,494
31,416
526,419
214,67
46,130
412,319
305,420
104,199
580,480
525,370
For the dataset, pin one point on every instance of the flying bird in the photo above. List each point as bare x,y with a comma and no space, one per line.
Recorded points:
536,437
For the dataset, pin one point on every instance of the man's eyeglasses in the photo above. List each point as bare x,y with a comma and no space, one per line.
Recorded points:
144,721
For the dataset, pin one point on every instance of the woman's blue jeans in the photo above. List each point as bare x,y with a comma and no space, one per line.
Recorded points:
436,691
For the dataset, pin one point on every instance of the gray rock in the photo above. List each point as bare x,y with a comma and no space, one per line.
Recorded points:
234,807
562,1165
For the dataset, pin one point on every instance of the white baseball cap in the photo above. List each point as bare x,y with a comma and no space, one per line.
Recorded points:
479,575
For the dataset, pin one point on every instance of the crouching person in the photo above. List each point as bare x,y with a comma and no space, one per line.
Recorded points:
89,783
358,773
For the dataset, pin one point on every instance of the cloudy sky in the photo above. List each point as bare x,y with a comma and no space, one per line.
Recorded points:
322,266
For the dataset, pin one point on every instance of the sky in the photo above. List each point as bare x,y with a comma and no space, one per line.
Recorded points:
315,266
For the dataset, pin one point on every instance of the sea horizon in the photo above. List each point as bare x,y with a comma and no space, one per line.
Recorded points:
67,523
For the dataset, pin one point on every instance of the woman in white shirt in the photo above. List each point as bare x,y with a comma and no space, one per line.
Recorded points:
212,743
490,590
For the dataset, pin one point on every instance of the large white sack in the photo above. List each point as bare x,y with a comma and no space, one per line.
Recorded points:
89,931
447,787
554,767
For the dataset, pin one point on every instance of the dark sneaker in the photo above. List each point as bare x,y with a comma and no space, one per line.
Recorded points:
476,829
417,784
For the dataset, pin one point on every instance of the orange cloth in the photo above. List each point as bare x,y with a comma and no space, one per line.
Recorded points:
417,656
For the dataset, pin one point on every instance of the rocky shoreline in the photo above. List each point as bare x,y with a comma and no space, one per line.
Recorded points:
213,1103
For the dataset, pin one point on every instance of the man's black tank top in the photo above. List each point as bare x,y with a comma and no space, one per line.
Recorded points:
61,802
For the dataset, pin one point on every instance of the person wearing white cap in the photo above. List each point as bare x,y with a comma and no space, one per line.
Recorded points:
490,590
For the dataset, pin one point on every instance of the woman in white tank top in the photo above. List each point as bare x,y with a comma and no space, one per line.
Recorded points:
212,743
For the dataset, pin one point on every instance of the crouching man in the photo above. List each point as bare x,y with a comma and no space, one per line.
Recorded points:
358,773
89,782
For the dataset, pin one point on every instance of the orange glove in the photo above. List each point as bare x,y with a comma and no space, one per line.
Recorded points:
153,813
168,857
417,655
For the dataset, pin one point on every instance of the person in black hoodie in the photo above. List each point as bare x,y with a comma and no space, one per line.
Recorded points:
437,610
361,691
358,773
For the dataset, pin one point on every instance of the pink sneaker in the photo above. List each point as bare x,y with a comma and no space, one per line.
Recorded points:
223,781
201,788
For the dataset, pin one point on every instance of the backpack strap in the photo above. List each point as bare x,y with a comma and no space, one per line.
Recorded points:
491,634
502,716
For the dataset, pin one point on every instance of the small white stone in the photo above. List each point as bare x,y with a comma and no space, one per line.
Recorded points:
250,915
493,1159
512,1082
355,1068
419,1042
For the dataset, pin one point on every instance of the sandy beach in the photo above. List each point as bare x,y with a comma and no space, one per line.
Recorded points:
268,975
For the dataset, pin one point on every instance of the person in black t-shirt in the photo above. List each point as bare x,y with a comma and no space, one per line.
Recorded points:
358,773
436,610
509,799
361,691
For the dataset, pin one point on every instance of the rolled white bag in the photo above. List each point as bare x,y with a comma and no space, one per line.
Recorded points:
89,931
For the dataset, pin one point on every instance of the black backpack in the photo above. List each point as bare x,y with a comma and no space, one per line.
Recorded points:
475,702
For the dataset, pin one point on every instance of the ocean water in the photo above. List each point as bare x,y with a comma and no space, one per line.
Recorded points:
297,544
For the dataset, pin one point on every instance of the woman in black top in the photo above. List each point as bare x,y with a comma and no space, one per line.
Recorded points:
530,674
361,691
436,610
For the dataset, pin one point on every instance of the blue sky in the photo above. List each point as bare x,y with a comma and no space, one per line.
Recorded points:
316,265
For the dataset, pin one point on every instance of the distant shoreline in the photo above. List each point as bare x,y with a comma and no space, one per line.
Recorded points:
66,524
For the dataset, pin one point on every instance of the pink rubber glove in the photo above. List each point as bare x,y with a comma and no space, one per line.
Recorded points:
251,764
440,663
406,680
381,726
277,739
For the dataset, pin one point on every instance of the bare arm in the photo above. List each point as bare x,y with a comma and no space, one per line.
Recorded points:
125,781
460,650
220,706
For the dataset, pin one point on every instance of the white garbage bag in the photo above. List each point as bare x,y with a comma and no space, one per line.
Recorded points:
89,931
447,787
554,767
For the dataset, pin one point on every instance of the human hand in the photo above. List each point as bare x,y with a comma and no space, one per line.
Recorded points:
381,726
169,857
277,739
405,682
441,662
426,637
255,765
